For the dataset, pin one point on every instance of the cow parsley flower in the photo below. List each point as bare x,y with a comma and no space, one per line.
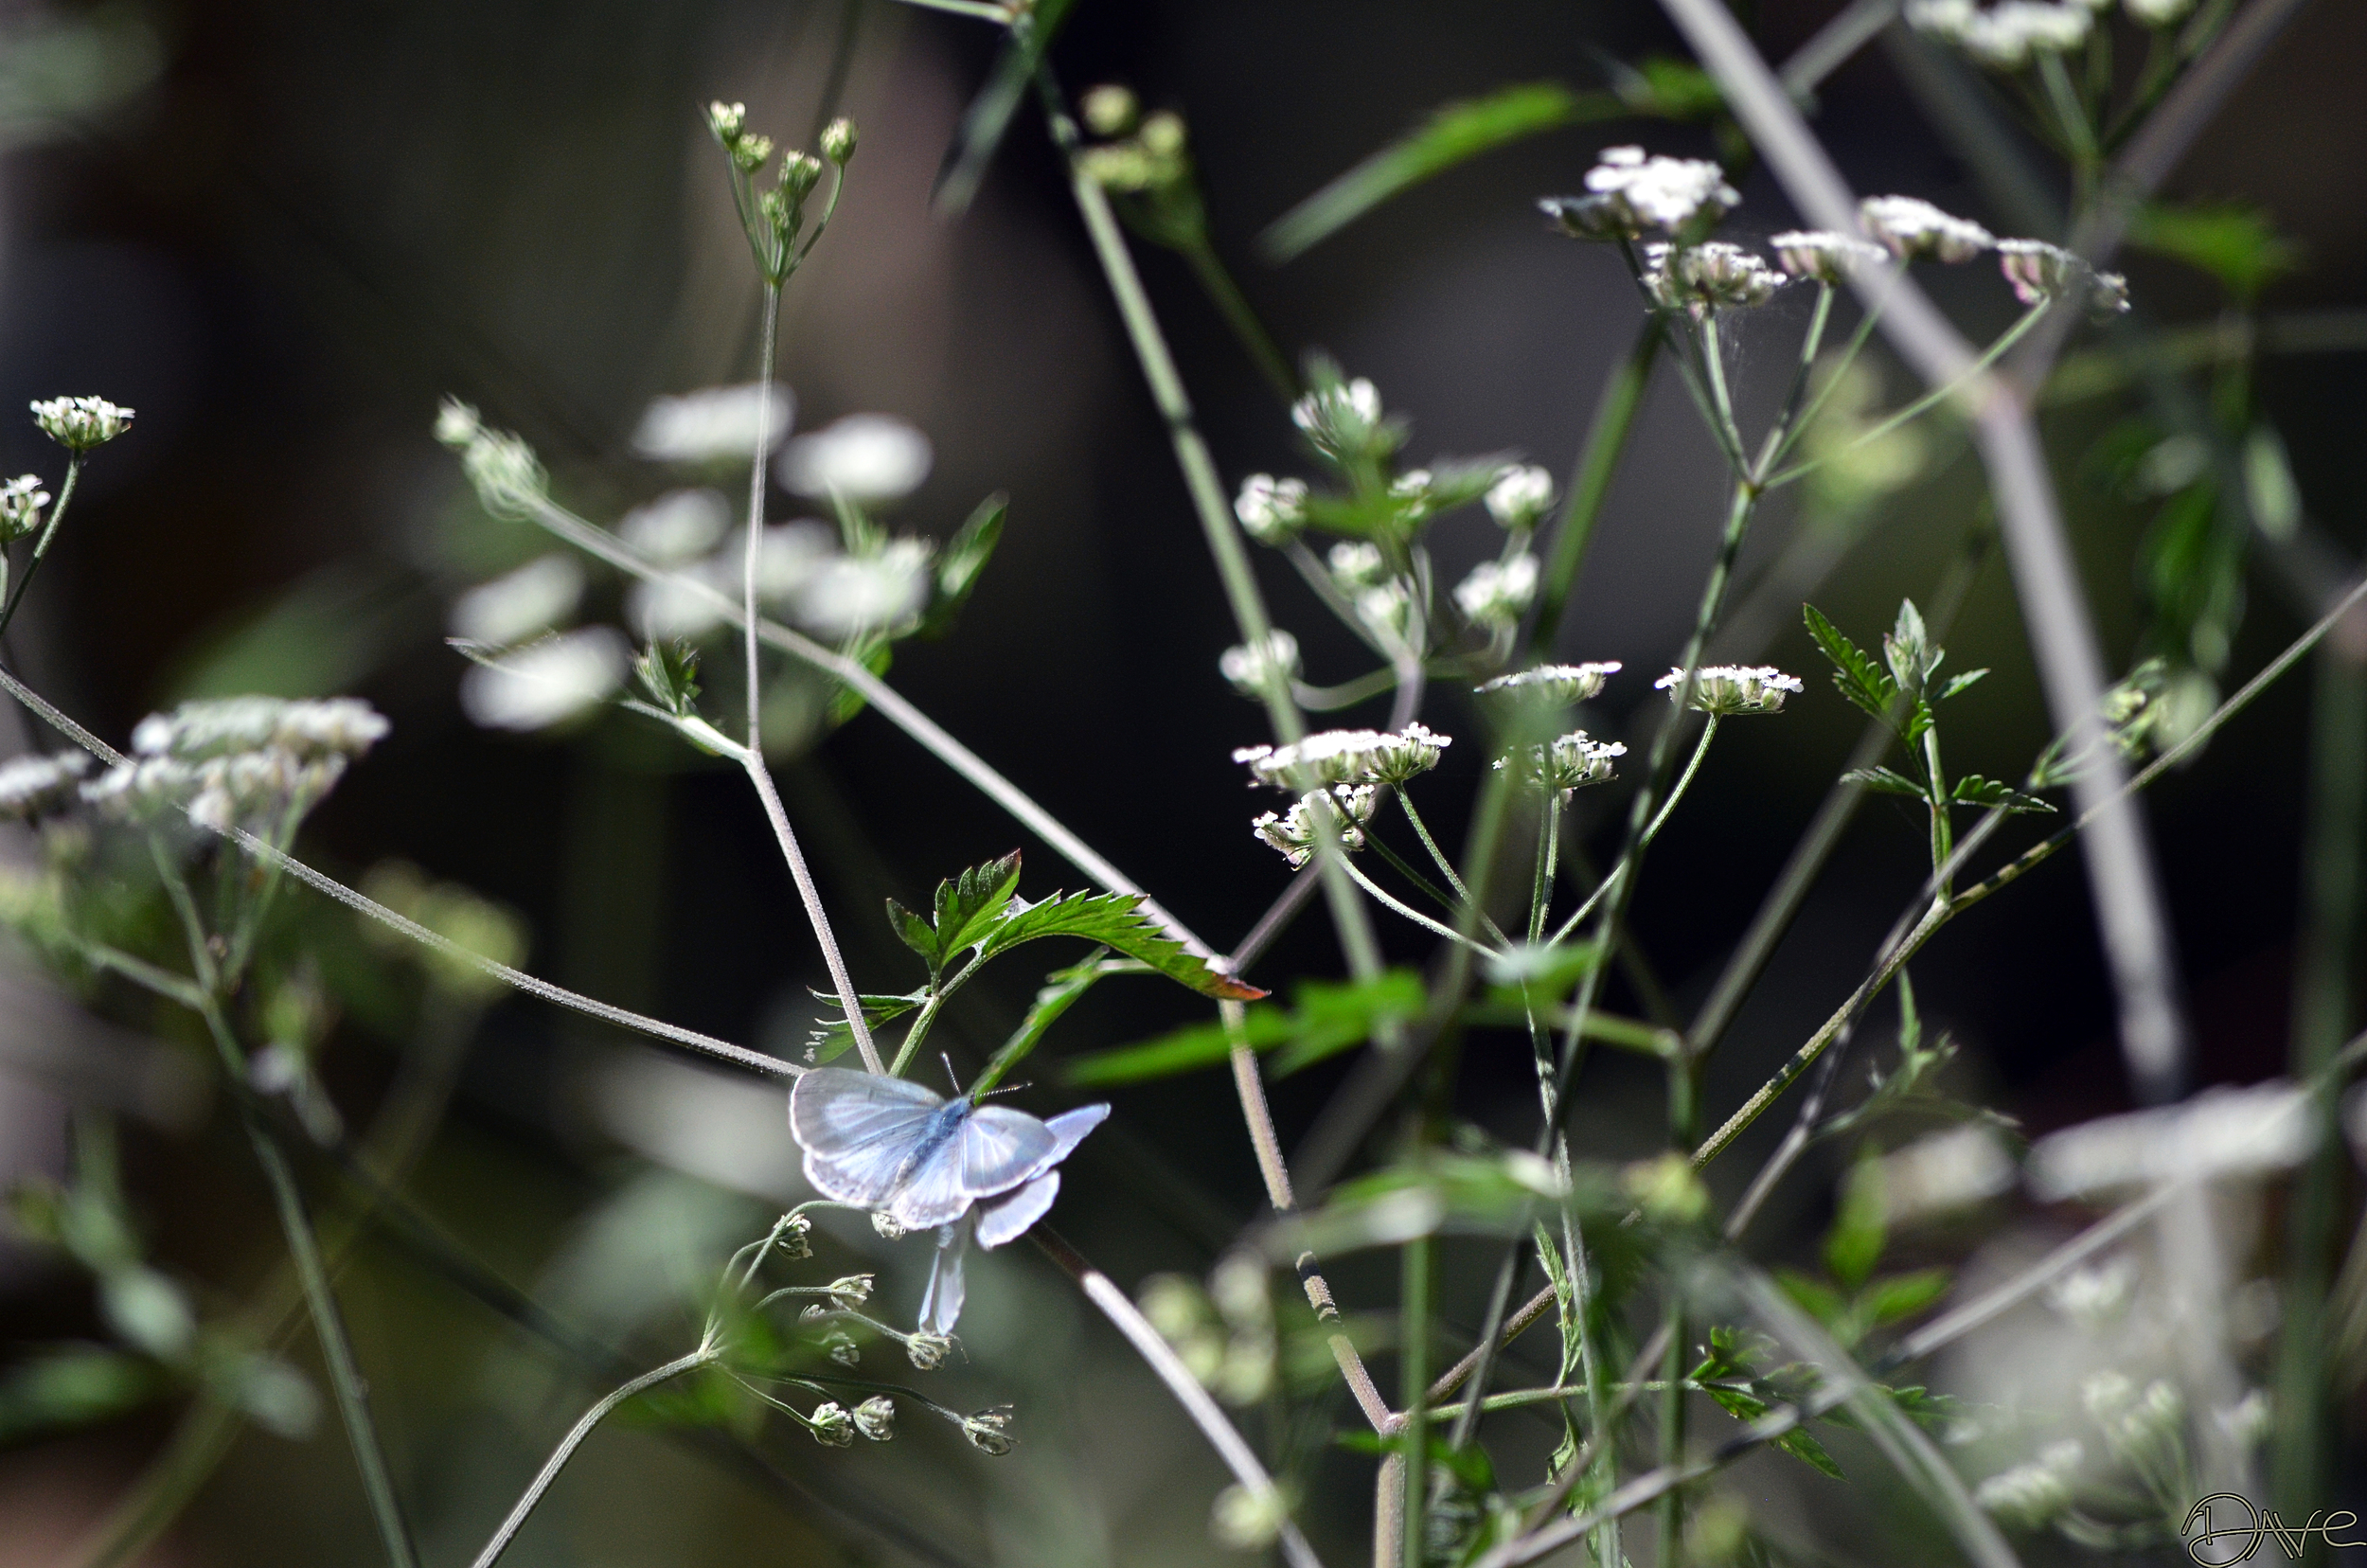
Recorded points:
256,764
1253,667
307,728
520,604
1823,255
1386,610
717,422
78,425
677,528
1521,495
1299,832
1358,564
1562,686
1498,593
1629,192
1724,276
2006,35
2032,1496
1571,762
22,500
1911,227
1342,418
851,593
876,1418
1346,756
546,683
2157,14
1731,689
503,469
35,786
1271,509
832,1426
2039,272
865,457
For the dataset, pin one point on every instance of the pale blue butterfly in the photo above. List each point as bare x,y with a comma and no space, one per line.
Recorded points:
890,1145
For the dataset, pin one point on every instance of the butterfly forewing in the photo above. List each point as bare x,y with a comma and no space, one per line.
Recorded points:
1001,1147
859,1129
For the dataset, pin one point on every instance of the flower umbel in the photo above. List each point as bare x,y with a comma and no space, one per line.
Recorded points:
1823,255
22,500
1571,762
1562,686
1521,496
1252,668
1728,690
1498,593
1629,192
1271,509
1298,834
81,423
1910,226
1346,756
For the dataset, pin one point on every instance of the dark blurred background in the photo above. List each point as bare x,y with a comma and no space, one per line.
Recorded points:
283,232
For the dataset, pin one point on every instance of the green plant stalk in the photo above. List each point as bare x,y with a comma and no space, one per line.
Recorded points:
1413,1354
1684,780
1590,482
41,545
1811,342
1223,293
1421,830
1714,364
1796,428
768,341
2322,1018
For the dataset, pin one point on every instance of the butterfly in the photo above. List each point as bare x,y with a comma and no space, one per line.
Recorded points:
890,1145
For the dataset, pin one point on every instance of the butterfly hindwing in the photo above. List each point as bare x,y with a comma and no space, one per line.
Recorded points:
859,1131
1001,1148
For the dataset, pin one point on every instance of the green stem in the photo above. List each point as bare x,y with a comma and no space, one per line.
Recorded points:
1684,780
1810,343
1396,905
1713,363
1590,482
41,545
1421,830
1796,428
1413,1354
768,341
1238,314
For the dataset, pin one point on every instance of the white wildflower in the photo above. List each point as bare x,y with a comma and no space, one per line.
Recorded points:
927,1352
1340,418
1944,1172
677,528
1399,755
1731,689
1357,563
1344,809
21,502
1498,592
1571,762
2031,1496
1910,226
546,683
2095,1297
255,790
81,423
1253,667
876,1418
682,605
832,1426
1386,610
865,457
2249,1132
1727,277
520,604
1563,686
1521,496
715,423
1271,509
851,593
1346,756
788,557
308,728
1629,192
1823,255
2005,37
35,786
2039,272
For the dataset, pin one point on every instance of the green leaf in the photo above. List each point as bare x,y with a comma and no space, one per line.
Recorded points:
1959,683
1182,1051
1115,920
73,1387
1816,1298
1801,1446
1334,1018
1973,790
969,906
1858,677
914,933
832,1038
873,651
1542,974
1884,781
1325,1020
2232,242
1860,1228
1896,1297
1455,132
964,561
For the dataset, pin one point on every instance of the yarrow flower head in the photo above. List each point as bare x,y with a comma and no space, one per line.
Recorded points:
21,502
1252,668
1562,686
1271,509
34,787
78,425
1823,255
1299,834
1731,689
2041,272
1498,593
1571,762
1521,496
1629,192
2005,36
1346,756
1910,226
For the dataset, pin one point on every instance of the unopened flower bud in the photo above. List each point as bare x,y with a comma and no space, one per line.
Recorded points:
1161,134
1247,1520
838,141
832,1426
989,1432
800,173
850,1292
1109,110
927,1352
726,121
876,1418
21,502
751,152
798,1239
841,1347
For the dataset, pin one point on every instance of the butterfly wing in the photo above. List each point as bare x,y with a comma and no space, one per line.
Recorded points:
1001,1148
1006,1217
941,1305
859,1131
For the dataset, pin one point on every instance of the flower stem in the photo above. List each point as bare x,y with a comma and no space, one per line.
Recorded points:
761,777
768,339
41,545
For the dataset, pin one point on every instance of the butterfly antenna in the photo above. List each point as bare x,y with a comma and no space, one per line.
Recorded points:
1006,1089
947,1056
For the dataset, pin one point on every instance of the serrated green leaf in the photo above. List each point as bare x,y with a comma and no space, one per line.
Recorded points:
1183,1050
1896,1297
1860,1227
964,561
1801,1446
969,906
2234,243
1959,683
914,932
1324,1019
1973,790
1857,675
1884,781
832,1038
1334,1018
1116,922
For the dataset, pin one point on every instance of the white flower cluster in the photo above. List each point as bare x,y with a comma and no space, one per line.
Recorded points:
2136,1426
2249,1132
81,423
2005,36
35,786
1299,834
1347,757
1910,226
21,502
800,571
1629,192
1823,255
677,528
1521,496
1358,564
1342,419
2041,272
868,458
518,604
1570,762
1498,593
503,469
2032,1496
546,683
1708,277
1272,510
252,762
1563,686
1728,690
1253,667
714,424
2095,1297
